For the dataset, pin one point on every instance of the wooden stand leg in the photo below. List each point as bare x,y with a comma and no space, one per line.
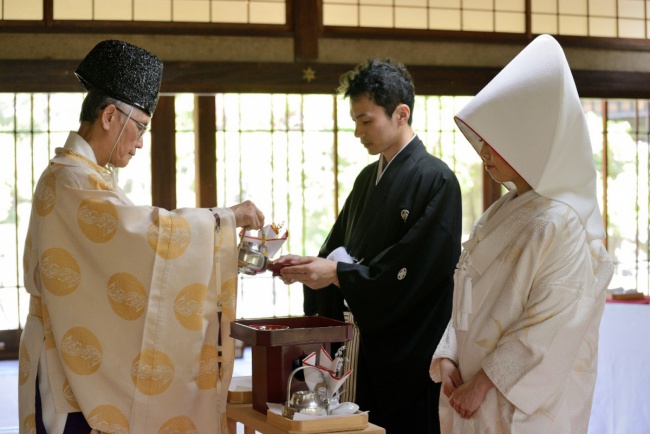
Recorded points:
232,426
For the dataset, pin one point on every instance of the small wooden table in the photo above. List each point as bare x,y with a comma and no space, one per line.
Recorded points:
254,421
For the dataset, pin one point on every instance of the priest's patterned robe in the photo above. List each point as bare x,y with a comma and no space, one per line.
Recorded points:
130,305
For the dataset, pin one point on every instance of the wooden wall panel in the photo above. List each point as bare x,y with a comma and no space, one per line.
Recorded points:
211,77
307,19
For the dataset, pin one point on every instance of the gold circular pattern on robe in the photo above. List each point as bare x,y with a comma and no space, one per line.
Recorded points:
45,194
98,183
228,298
127,295
36,307
208,368
97,219
81,351
60,271
178,425
69,395
152,372
29,424
47,329
24,364
108,418
188,306
169,237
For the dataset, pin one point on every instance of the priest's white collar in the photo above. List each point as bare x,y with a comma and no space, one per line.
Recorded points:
77,144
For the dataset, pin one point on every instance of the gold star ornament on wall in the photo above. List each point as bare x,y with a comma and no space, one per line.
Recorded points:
308,74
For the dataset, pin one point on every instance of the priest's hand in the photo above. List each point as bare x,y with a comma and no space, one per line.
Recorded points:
467,398
450,374
248,215
312,271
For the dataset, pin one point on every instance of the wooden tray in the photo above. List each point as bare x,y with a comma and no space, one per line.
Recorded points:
299,330
358,421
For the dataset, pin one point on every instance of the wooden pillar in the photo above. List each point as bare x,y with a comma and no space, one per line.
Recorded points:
306,19
205,150
163,154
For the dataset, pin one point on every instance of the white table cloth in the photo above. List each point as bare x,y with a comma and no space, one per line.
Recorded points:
622,397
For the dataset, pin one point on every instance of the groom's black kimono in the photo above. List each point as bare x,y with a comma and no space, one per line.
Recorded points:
406,232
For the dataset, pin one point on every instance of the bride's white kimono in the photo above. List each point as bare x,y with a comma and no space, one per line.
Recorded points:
536,290
530,284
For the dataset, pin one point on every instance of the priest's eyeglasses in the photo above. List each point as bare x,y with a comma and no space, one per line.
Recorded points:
142,128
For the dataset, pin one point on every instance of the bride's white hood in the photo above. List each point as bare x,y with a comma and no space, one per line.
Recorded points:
530,113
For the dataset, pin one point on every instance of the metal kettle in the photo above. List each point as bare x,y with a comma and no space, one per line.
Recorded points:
253,257
304,401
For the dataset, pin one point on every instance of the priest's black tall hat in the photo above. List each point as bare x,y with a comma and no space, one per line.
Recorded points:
124,72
